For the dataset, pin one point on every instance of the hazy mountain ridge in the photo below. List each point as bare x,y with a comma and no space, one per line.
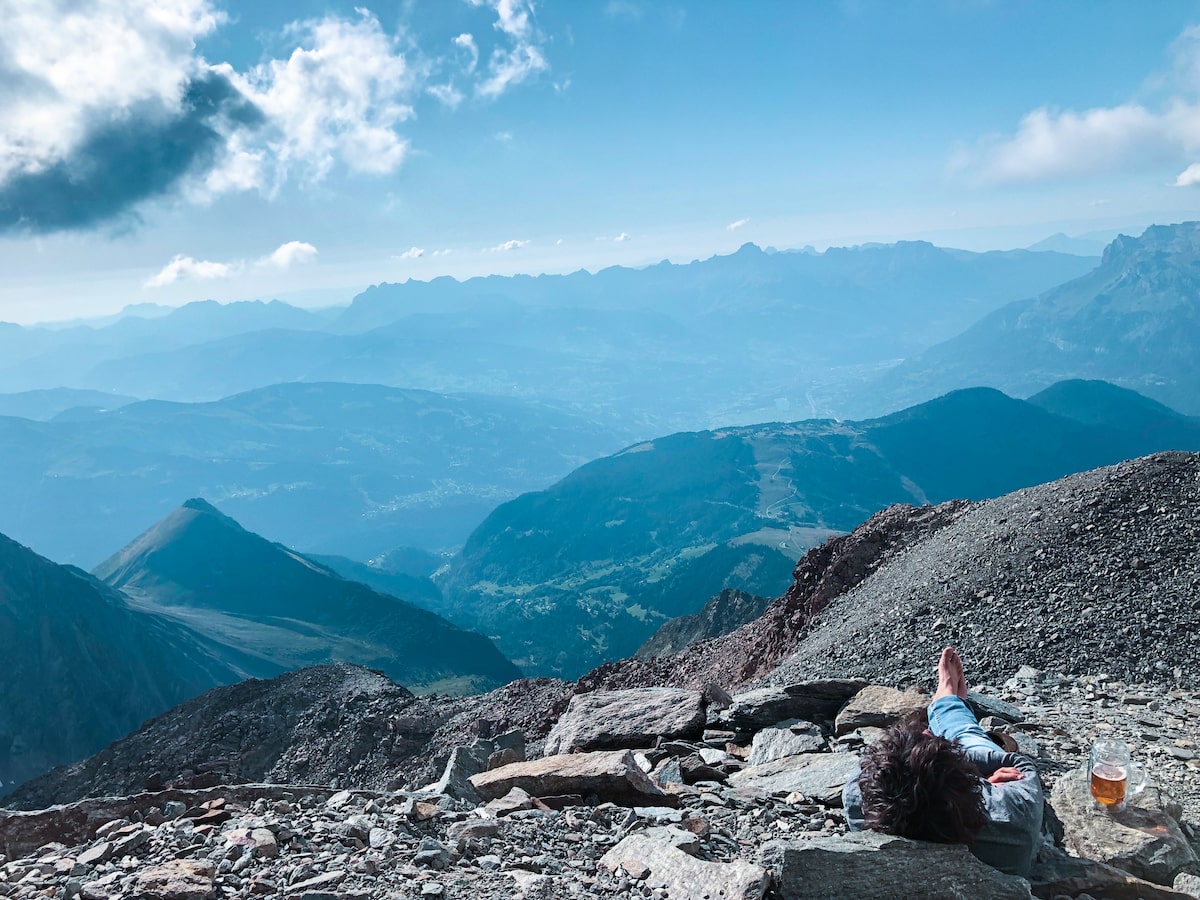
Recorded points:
274,610
1133,321
335,468
582,572
643,349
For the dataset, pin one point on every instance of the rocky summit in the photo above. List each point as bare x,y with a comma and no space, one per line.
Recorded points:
715,772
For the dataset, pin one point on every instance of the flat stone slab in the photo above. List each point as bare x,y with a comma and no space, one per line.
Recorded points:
883,867
775,743
608,720
662,865
876,706
811,700
820,776
179,879
1142,838
612,776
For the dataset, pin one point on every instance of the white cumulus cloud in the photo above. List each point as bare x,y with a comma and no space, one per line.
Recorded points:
287,255
734,226
445,252
106,104
508,245
338,97
412,253
187,267
621,238
1055,144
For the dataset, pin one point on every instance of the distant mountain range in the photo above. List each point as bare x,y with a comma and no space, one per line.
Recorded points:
737,338
585,571
270,610
1134,321
331,468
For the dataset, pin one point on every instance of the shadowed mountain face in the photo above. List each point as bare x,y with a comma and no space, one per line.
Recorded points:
585,571
1134,321
271,610
81,666
332,468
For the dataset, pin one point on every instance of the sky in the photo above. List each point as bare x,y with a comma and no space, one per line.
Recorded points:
163,151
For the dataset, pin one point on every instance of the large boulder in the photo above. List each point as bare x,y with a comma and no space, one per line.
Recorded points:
1141,838
662,865
876,706
883,867
607,720
820,776
612,776
811,700
1055,874
789,739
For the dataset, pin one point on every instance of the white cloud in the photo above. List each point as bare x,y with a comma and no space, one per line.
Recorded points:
558,243
289,254
734,226
445,252
93,89
508,66
186,267
616,9
447,94
337,98
621,238
1052,144
508,245
467,42
78,62
504,137
413,253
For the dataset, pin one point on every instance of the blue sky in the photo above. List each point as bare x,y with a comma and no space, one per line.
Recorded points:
177,150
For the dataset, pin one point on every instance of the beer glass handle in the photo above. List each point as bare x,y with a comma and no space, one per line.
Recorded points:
1137,780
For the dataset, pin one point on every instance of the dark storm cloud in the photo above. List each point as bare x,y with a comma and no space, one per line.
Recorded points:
123,161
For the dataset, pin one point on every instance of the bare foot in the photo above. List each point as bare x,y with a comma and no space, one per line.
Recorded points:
951,680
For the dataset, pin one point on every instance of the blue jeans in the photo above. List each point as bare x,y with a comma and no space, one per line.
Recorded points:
951,718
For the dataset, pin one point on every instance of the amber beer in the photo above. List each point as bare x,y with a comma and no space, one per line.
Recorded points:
1108,783
1111,770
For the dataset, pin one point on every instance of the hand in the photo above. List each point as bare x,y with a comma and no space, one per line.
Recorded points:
1005,773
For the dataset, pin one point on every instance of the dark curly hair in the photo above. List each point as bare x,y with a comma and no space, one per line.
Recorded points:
919,786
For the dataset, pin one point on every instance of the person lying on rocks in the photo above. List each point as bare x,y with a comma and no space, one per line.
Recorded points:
949,782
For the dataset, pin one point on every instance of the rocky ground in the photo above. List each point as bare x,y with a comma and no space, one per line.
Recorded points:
1096,572
1076,606
723,809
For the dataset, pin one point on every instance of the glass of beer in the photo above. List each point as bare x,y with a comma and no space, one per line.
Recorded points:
1113,776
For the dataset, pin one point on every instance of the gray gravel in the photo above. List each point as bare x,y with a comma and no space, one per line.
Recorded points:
1097,572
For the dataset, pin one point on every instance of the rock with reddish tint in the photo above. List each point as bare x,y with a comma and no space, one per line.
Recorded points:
179,879
604,776
605,720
